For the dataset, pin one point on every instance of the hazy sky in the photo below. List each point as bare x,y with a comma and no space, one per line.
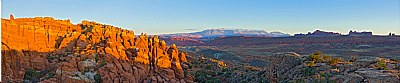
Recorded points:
172,16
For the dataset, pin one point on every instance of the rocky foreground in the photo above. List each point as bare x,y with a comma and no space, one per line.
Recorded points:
214,65
43,49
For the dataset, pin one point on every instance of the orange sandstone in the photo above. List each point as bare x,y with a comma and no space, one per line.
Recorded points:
119,48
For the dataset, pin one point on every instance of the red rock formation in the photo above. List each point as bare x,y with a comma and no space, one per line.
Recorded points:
11,17
90,48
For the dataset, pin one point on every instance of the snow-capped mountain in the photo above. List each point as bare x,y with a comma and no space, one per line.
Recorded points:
212,33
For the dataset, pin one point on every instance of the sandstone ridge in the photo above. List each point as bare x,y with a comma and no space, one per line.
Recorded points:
58,50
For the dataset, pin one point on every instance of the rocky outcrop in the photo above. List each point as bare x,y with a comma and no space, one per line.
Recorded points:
376,76
368,75
58,50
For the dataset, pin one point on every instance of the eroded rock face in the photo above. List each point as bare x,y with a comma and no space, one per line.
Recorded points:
377,76
61,51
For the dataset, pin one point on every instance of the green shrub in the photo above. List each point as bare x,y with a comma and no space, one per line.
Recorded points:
96,57
97,78
335,61
50,75
225,69
103,63
208,66
190,66
311,63
315,57
200,76
213,80
31,75
300,80
326,58
308,71
227,74
50,57
382,65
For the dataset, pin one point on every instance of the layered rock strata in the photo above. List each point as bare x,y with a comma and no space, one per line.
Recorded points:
43,49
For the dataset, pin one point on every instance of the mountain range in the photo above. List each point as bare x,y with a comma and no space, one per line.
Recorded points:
215,33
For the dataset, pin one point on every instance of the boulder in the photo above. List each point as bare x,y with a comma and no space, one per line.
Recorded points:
377,76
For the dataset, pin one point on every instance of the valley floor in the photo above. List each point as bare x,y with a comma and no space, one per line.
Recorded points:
349,63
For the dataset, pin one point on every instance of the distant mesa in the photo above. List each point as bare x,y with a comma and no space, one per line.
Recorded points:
319,33
355,33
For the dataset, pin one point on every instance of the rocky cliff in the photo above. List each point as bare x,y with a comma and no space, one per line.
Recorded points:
43,49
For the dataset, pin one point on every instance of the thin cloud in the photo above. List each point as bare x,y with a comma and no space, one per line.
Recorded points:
190,29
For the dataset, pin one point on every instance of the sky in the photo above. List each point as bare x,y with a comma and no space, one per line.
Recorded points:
178,16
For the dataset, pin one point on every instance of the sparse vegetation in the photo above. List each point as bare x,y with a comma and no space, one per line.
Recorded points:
252,68
308,71
50,75
96,57
214,80
315,57
50,57
353,59
97,78
381,64
300,81
326,58
208,66
335,61
200,76
32,75
311,63
103,63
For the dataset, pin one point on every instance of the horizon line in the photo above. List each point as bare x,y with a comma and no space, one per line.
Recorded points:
199,30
